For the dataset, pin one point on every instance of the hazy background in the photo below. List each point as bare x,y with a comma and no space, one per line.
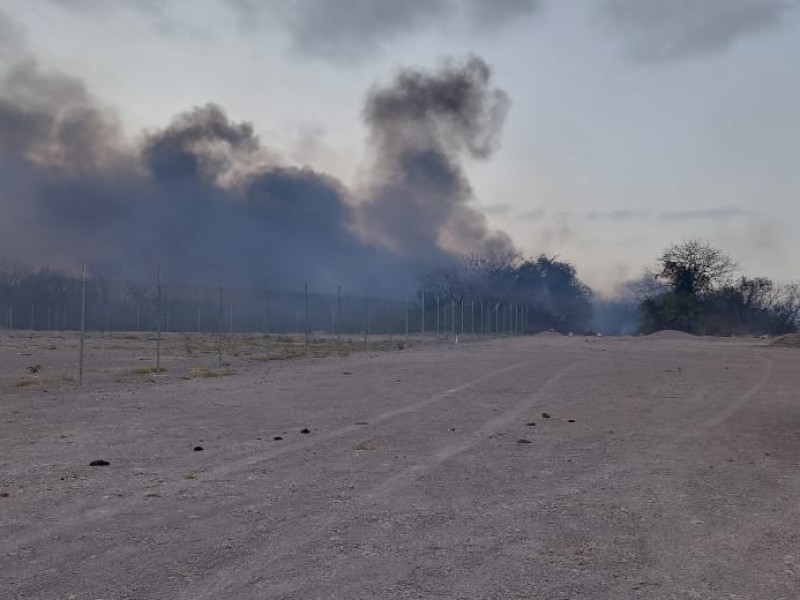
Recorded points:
601,131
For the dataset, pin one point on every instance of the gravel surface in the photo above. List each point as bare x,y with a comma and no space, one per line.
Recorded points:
669,468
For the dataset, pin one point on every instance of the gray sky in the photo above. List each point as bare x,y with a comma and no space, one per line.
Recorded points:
633,123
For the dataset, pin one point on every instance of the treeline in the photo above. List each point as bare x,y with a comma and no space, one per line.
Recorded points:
694,288
546,290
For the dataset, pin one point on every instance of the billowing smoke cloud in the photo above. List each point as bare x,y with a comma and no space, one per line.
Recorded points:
659,30
350,28
204,200
421,126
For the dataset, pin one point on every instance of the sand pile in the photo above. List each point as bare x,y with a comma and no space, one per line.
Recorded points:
671,334
549,334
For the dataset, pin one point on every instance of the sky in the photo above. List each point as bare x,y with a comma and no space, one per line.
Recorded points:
628,125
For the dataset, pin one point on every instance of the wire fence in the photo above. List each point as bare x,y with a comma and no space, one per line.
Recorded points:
111,306
291,323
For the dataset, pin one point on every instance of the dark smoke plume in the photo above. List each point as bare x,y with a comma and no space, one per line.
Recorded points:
421,127
205,201
659,30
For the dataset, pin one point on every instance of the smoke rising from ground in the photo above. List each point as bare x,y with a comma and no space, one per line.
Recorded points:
206,201
660,30
421,127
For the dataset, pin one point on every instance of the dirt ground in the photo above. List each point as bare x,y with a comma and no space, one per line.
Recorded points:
666,467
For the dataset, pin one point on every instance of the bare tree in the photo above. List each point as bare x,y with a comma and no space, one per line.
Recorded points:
695,268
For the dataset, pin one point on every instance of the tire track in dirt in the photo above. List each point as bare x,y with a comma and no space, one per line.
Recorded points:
348,429
678,525
737,404
491,427
227,578
89,517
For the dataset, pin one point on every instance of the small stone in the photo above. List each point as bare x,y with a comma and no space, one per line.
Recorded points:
3,494
99,463
570,420
366,446
198,448
545,415
305,430
277,438
523,441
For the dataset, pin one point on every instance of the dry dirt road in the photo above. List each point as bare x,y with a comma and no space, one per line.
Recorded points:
421,476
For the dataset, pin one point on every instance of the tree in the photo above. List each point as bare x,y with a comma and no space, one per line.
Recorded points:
549,289
701,297
694,268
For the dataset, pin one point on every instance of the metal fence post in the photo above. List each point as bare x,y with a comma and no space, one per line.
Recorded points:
339,314
219,330
422,314
158,320
305,323
83,322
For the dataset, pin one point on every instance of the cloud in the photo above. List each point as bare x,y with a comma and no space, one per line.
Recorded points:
617,215
662,30
347,29
536,214
497,210
718,214
489,14
12,39
163,15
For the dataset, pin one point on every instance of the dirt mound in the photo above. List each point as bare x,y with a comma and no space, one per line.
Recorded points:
671,334
791,340
549,334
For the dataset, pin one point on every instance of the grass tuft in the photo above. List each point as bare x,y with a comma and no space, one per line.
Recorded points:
147,370
24,382
204,373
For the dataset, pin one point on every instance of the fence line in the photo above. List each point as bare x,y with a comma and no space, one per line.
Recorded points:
108,305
